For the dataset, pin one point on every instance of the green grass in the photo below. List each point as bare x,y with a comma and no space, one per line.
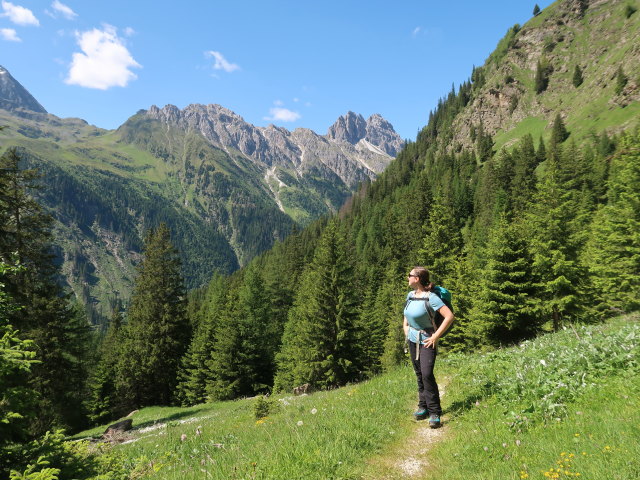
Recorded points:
569,397
531,125
321,436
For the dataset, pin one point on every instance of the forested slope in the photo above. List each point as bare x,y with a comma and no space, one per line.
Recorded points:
523,236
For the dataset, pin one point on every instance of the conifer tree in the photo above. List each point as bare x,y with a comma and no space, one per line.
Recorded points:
380,331
242,360
577,76
555,255
60,332
559,132
541,152
541,79
442,243
613,249
319,345
503,309
157,330
194,376
536,10
621,80
524,179
102,404
17,400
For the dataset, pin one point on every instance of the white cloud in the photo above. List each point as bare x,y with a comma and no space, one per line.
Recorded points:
9,34
278,103
19,15
104,62
129,32
416,31
63,10
279,114
221,62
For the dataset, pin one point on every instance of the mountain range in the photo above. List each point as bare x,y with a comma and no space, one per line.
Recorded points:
227,189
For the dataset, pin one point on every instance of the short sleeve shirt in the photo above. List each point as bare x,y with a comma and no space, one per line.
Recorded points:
417,315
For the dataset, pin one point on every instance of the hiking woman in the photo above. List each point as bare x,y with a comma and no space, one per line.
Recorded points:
422,334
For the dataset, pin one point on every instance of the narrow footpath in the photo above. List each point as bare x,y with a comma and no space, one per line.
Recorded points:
409,458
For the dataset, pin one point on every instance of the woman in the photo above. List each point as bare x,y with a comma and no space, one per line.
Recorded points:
422,334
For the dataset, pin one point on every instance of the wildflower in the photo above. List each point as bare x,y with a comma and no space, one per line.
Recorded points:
576,434
183,437
300,423
199,430
543,363
314,411
486,449
518,442
260,422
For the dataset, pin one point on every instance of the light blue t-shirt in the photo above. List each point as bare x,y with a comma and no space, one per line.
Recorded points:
418,317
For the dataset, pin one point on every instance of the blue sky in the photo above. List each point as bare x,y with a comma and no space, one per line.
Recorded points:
291,63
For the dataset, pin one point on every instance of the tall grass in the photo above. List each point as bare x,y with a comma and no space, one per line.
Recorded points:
566,400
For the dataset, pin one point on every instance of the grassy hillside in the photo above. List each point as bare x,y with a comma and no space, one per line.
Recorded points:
565,404
598,39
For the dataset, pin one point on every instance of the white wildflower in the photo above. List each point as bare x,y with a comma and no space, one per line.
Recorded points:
314,411
543,363
300,423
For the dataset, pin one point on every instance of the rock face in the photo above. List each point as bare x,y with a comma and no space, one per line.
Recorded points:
352,128
14,96
353,149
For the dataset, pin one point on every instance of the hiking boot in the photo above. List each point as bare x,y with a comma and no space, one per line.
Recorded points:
434,421
421,414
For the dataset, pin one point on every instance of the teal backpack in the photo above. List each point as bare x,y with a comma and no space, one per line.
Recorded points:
445,296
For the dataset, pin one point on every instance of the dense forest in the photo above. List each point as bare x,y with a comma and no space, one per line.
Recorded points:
537,236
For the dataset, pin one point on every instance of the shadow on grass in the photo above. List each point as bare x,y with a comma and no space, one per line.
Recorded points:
169,418
460,406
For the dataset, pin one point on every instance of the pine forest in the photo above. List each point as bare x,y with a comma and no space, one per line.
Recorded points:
531,234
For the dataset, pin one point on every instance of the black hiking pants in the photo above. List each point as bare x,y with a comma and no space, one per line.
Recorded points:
428,394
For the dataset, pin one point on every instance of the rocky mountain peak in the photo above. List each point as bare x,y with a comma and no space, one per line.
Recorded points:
353,128
14,96
349,128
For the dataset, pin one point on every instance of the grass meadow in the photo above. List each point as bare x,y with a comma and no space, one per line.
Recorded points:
562,406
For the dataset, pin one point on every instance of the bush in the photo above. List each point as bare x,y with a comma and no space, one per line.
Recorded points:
264,406
629,10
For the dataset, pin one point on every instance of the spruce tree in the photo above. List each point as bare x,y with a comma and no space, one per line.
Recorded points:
60,332
380,331
541,79
577,76
536,10
101,404
242,361
559,132
524,179
552,244
319,345
157,331
194,376
503,308
621,80
442,243
613,249
17,400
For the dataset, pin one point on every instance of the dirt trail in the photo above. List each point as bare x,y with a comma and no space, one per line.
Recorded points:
410,458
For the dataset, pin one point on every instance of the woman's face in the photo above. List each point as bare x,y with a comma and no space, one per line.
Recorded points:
414,281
